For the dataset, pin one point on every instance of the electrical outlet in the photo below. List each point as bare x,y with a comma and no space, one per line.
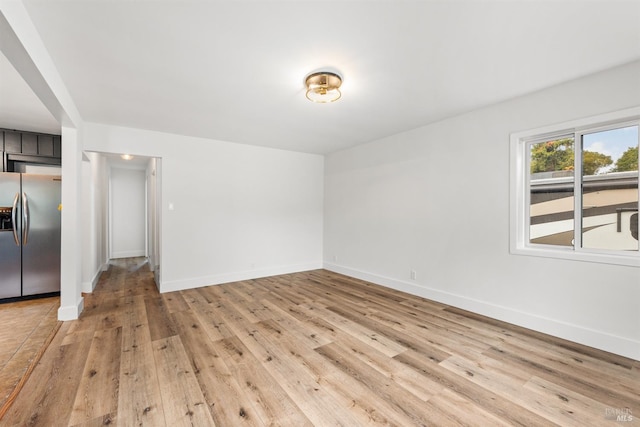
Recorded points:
413,275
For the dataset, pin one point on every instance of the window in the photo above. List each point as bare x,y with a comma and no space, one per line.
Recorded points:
575,190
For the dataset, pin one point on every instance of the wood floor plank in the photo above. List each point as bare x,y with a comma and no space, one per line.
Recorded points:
139,399
319,330
160,323
224,395
306,391
419,322
111,308
623,380
613,397
413,337
506,387
405,376
175,302
365,406
566,407
250,308
401,403
426,344
97,394
454,409
504,409
182,398
136,335
610,358
310,391
306,334
367,335
357,287
283,291
273,406
81,329
204,308
104,420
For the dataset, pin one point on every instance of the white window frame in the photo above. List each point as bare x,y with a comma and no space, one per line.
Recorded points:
520,194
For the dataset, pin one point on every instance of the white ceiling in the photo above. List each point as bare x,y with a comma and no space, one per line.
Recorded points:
20,108
234,70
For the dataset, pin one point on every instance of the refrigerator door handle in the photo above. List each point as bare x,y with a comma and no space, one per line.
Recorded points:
14,214
25,219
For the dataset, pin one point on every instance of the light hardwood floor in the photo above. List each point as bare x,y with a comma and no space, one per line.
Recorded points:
313,348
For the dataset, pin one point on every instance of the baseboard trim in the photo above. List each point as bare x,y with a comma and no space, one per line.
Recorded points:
89,286
592,338
198,282
71,312
129,254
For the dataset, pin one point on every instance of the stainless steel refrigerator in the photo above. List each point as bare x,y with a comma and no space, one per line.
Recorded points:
29,234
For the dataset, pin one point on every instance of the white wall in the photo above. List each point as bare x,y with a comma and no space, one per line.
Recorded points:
94,205
239,211
87,217
153,171
127,212
436,200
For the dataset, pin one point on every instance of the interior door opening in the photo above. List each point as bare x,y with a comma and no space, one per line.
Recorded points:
122,204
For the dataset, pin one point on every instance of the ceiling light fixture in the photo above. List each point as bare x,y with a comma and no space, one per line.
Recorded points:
323,87
127,156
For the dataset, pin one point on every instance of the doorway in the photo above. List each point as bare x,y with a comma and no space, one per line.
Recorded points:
122,204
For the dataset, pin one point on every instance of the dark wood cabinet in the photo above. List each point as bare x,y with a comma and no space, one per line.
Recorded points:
45,145
29,144
12,142
28,147
57,146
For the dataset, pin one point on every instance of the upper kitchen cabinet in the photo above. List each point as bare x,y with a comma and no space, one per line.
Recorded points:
12,142
45,145
28,147
30,144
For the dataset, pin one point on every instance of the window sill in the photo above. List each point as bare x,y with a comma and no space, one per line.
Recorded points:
631,260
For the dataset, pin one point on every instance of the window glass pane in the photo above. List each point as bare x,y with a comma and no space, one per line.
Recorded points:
610,189
551,210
